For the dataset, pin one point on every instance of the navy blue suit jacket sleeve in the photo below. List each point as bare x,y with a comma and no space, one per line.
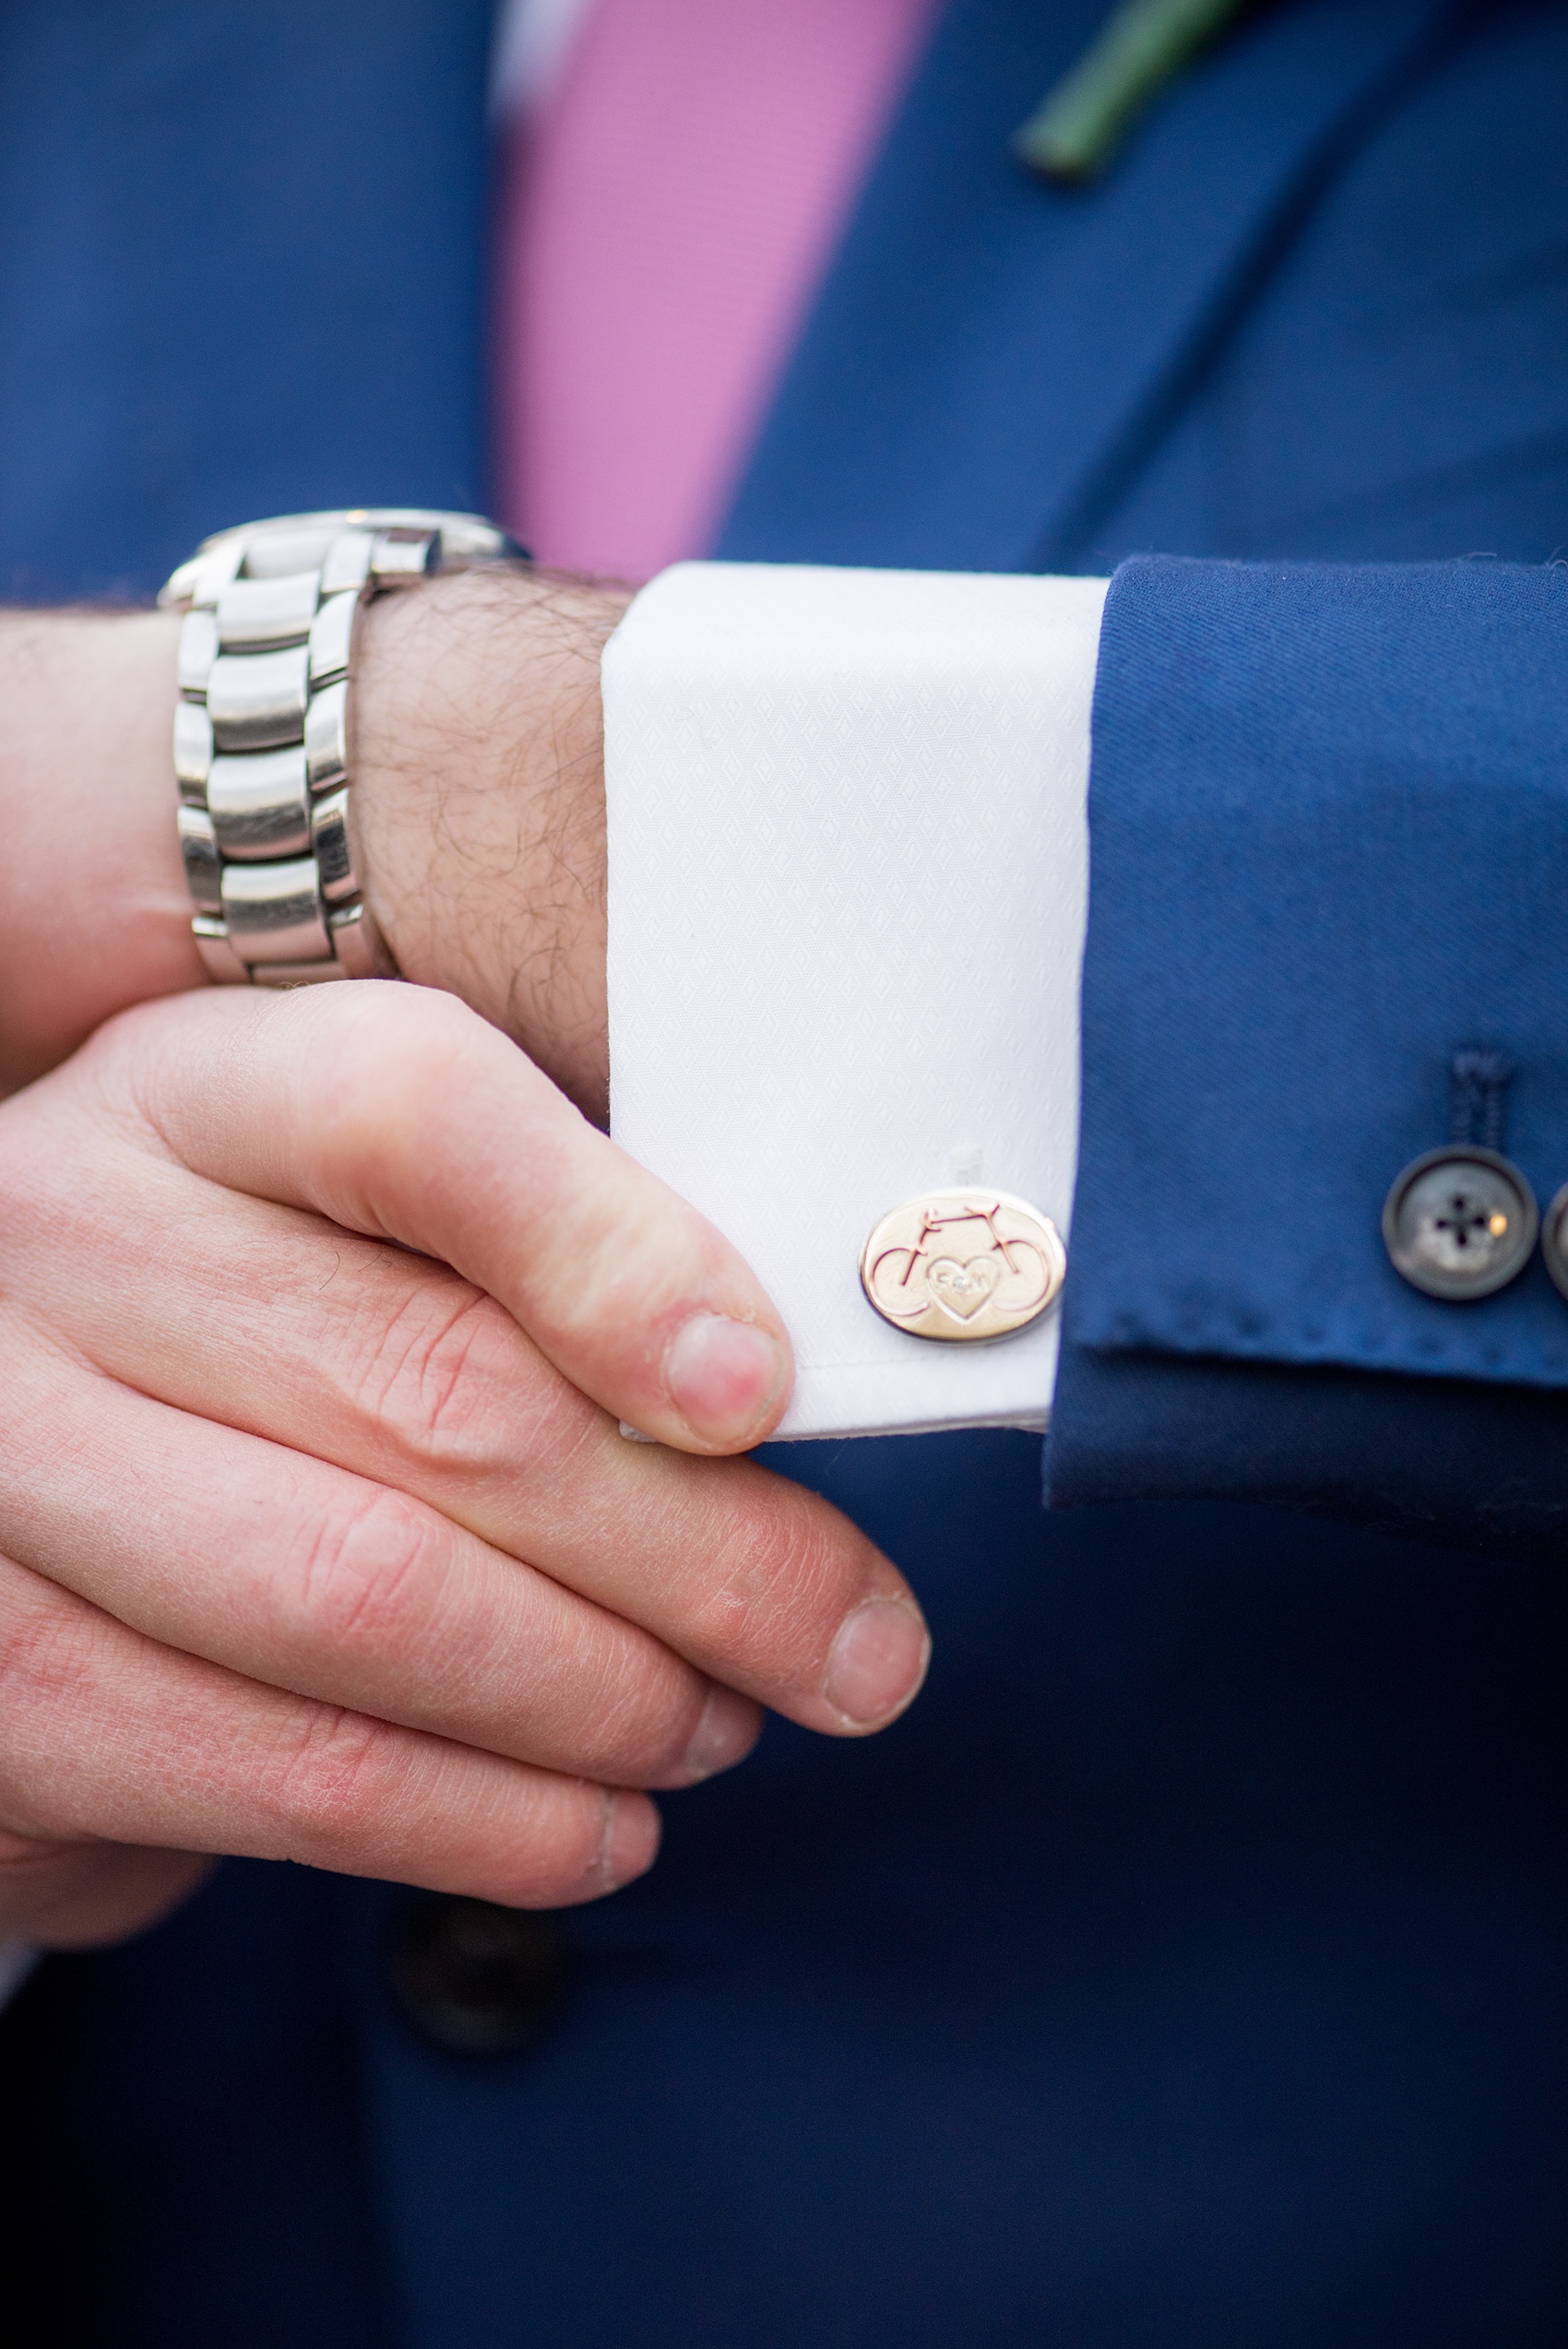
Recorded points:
1329,826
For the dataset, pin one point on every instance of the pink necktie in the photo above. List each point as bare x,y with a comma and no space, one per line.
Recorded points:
666,221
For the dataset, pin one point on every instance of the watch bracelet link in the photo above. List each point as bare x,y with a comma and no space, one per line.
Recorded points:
262,751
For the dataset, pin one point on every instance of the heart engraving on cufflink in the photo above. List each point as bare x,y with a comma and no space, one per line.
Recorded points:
913,1279
962,1289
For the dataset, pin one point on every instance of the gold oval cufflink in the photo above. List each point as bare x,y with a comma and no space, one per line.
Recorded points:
960,1265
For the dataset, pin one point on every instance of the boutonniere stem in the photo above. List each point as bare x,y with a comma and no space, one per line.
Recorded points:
1078,126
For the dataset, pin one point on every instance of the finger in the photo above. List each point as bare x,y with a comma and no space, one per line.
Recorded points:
388,1364
289,1571
106,1735
82,1895
395,1111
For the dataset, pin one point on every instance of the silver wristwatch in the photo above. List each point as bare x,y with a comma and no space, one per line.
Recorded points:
262,729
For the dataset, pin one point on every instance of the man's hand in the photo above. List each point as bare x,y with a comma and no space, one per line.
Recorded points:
318,1537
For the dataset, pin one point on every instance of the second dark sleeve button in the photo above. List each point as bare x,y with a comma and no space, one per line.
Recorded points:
475,1979
1554,1239
1461,1222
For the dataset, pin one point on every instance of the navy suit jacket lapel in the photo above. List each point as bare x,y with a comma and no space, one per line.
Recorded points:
990,356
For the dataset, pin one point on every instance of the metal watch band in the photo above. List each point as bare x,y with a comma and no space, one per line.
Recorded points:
262,751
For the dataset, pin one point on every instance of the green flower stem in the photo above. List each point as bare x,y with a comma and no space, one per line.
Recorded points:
1078,126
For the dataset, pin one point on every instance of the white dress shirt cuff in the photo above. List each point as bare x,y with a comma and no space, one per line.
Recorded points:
848,888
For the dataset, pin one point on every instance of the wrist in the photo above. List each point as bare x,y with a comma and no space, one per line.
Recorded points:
478,800
94,912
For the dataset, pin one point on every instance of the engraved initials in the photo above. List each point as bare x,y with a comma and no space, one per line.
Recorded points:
962,1289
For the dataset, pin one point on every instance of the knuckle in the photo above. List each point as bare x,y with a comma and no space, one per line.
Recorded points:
431,1375
412,1060
370,1576
325,1788
445,1382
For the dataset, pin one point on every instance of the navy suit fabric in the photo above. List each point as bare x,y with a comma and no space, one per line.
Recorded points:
182,2148
241,265
1188,1967
1327,815
996,366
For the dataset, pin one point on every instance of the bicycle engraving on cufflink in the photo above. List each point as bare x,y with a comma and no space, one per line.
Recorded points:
924,1272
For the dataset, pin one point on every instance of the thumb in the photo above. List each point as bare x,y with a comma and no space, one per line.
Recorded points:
395,1110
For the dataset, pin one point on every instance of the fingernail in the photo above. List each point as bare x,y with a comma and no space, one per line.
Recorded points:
876,1662
629,1844
722,1375
728,1729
